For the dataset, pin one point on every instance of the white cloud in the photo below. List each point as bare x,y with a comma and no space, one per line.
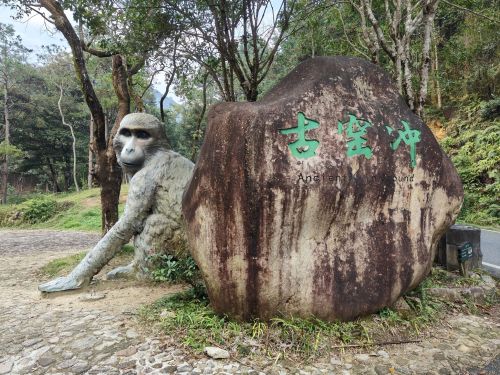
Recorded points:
34,31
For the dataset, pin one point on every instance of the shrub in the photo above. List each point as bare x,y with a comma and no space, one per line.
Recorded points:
39,209
169,268
473,144
491,109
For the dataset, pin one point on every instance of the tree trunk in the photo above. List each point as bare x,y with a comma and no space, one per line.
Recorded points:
436,78
106,129
110,179
167,89
59,105
408,78
5,176
138,102
66,174
110,190
200,119
252,93
397,47
120,85
313,47
53,174
170,79
430,7
399,73
105,161
90,175
5,164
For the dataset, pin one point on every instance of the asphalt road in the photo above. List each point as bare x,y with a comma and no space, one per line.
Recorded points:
490,247
492,368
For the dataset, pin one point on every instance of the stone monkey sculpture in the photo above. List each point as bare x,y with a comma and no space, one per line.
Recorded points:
153,208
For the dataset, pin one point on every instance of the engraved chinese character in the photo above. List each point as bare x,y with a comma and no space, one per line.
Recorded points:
356,136
302,148
410,137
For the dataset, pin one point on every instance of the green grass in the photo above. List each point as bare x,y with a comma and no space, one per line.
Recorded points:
64,265
75,211
128,249
189,317
442,278
197,325
76,218
61,266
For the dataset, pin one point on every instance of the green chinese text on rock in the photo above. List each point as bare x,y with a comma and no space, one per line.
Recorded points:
302,148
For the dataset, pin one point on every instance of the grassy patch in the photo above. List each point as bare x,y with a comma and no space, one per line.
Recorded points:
128,249
61,266
189,317
76,211
442,278
76,218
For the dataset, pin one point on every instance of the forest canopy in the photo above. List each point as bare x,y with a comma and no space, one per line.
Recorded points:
61,105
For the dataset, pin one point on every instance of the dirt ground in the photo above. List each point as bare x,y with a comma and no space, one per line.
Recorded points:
40,247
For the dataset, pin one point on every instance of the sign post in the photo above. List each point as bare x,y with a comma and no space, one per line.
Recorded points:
464,253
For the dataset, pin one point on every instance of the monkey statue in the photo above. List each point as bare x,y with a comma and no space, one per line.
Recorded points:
153,209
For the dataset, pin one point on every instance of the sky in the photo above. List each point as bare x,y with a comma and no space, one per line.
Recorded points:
33,30
36,33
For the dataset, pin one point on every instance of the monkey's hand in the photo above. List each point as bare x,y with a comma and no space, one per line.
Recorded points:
62,283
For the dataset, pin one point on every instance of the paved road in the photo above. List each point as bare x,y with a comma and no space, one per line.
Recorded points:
490,247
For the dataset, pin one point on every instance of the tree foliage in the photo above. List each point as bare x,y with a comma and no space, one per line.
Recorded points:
12,56
443,55
37,125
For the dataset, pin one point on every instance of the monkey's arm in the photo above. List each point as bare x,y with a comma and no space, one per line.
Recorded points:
139,201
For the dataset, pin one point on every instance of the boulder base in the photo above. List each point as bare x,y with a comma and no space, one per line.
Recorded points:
326,198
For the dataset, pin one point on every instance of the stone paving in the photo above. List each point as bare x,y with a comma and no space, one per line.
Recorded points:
65,335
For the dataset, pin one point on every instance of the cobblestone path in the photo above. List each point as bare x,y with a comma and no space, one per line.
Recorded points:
65,335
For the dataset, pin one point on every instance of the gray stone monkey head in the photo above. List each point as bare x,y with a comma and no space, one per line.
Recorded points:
139,137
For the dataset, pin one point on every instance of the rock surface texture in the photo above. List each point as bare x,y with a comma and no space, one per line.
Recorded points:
326,198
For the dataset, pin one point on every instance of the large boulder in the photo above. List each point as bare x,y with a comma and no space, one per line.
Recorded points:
326,198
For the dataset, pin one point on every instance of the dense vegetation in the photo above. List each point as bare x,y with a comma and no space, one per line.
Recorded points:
239,58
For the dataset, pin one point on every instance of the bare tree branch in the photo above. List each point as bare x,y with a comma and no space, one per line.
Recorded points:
347,38
59,105
471,11
97,52
33,7
366,8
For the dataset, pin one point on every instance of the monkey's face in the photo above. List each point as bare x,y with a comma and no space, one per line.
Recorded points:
139,138
135,142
